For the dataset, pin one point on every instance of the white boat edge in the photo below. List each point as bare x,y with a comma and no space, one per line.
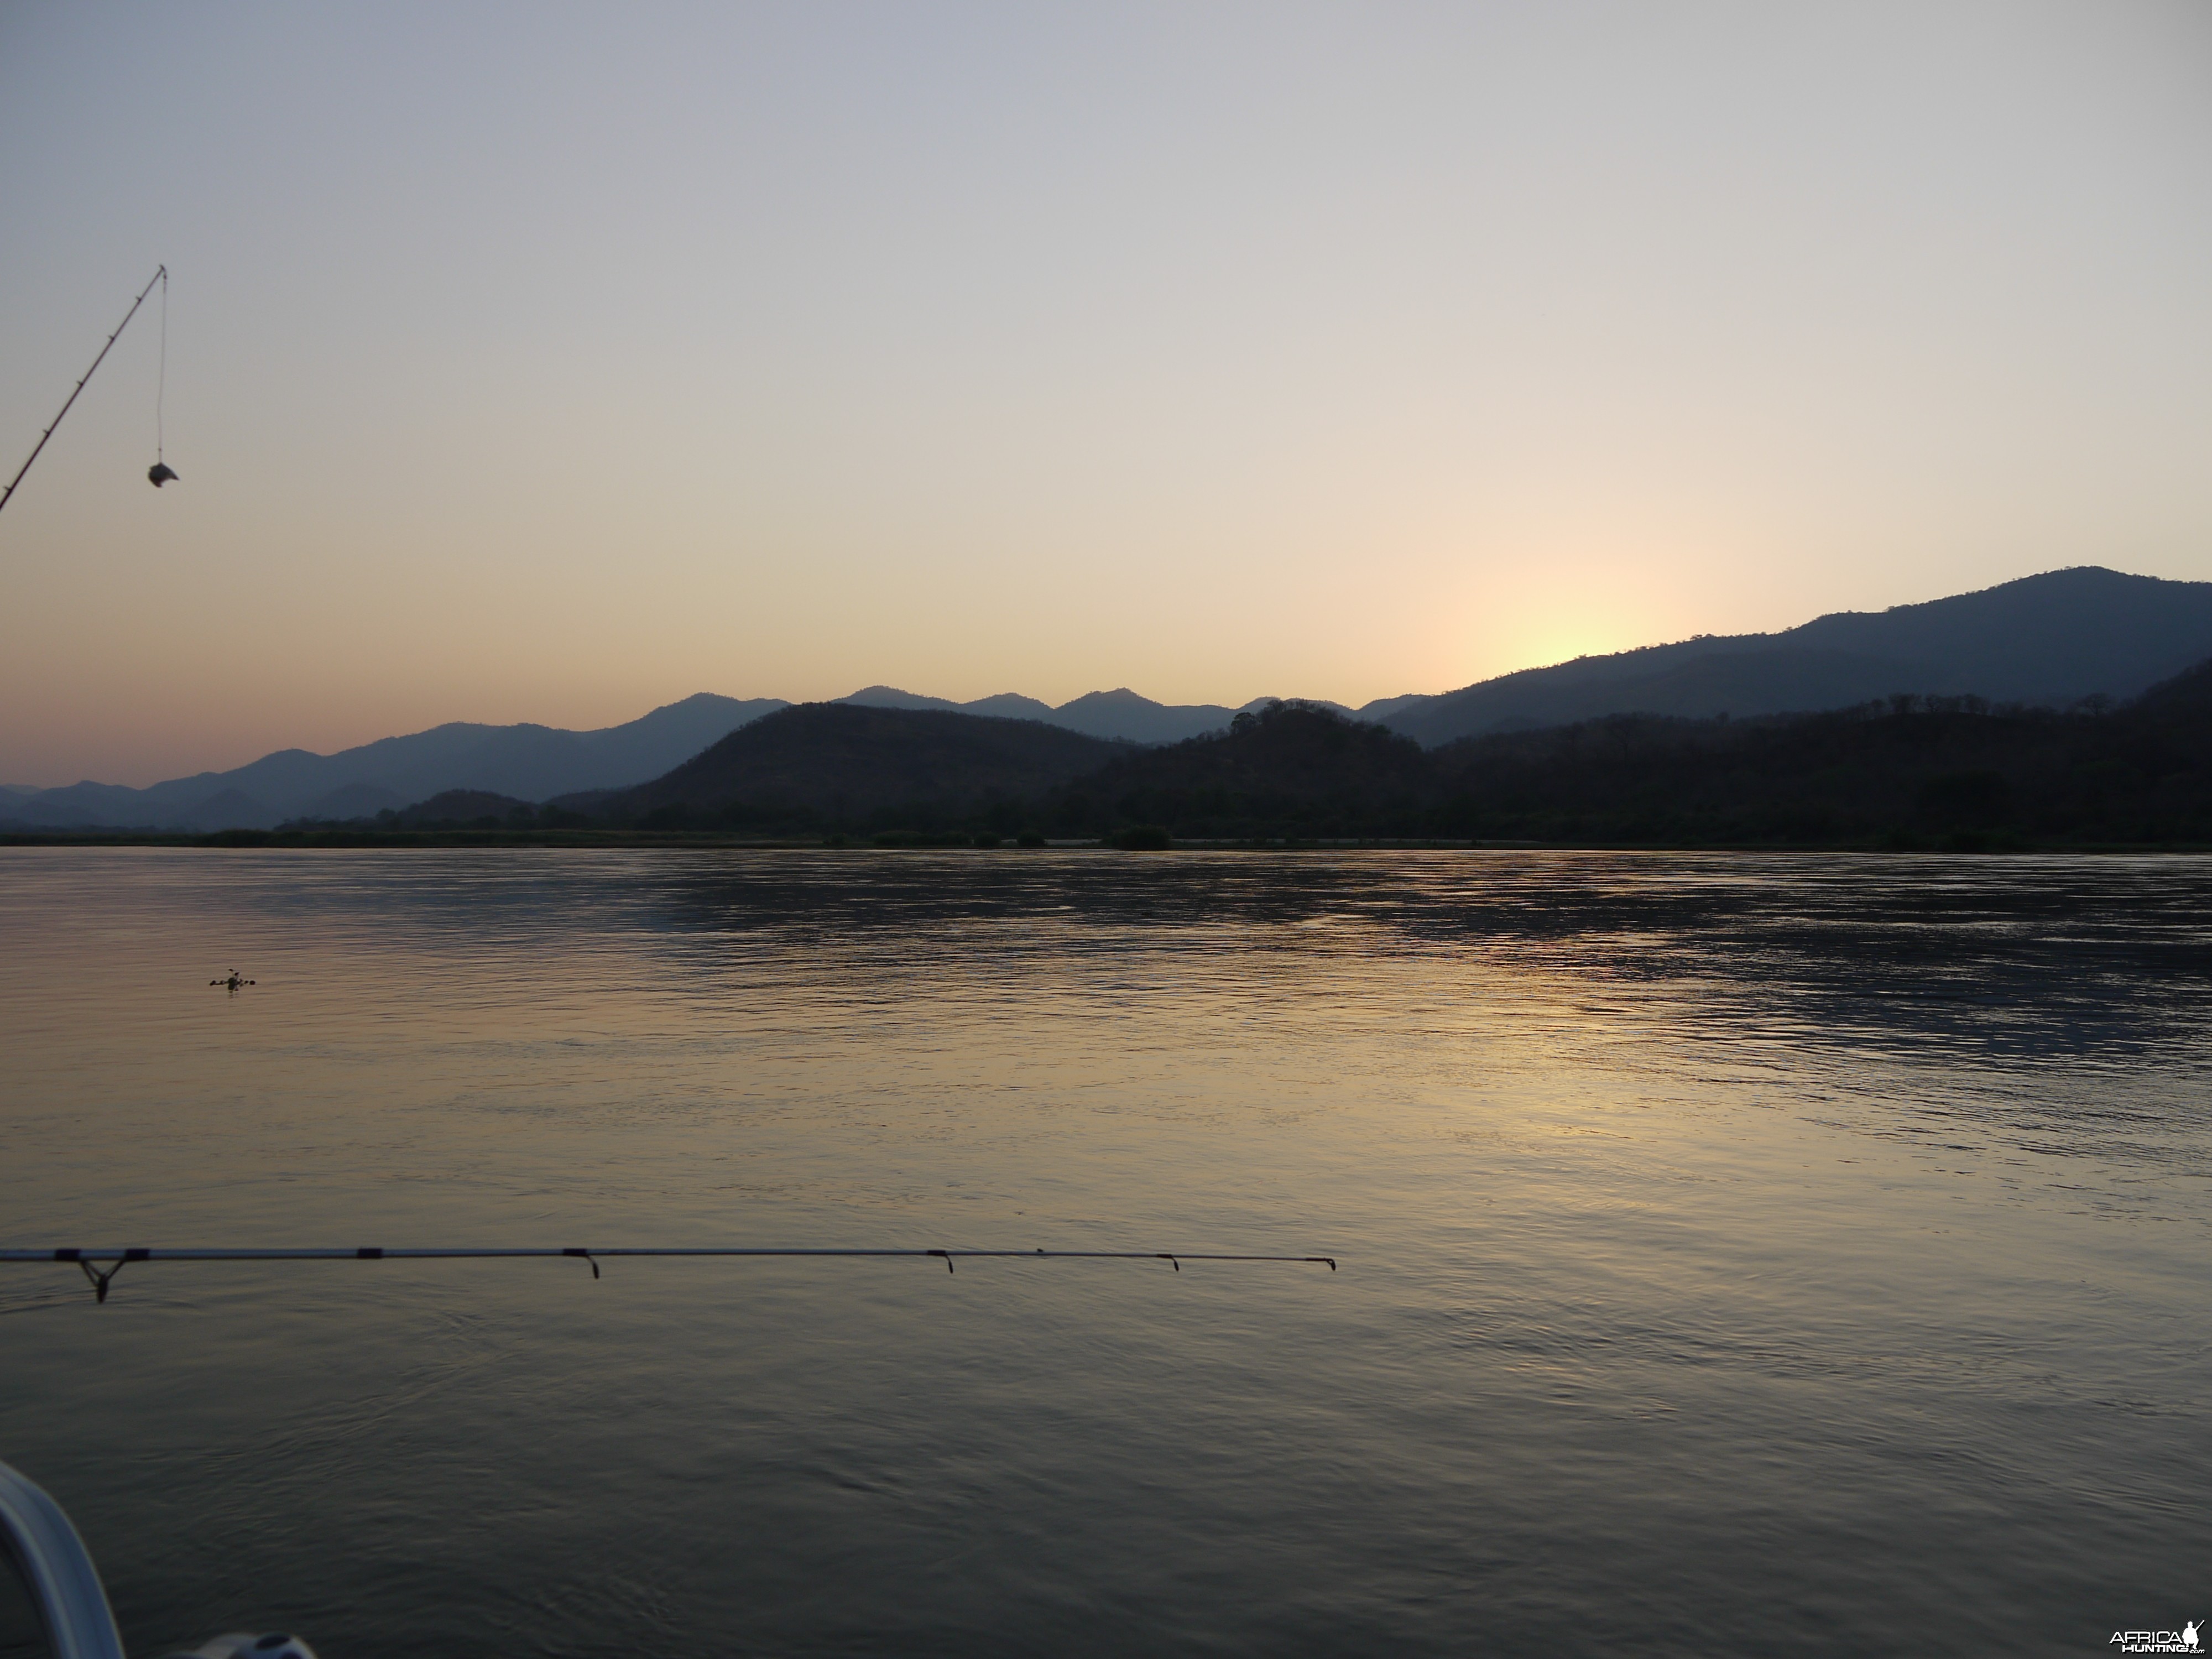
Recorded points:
65,1588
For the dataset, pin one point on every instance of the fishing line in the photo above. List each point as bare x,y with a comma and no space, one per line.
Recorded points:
161,384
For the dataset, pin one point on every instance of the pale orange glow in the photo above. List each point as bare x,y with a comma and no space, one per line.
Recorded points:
1190,350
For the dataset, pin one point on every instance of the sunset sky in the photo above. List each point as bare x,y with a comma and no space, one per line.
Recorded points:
552,362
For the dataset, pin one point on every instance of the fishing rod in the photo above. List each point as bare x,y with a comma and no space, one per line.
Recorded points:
89,1259
160,276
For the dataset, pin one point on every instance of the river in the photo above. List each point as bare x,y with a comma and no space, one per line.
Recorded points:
1737,1254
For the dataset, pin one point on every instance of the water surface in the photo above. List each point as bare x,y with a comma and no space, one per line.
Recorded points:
1740,1255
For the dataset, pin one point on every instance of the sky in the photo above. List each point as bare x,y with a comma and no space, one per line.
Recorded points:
550,363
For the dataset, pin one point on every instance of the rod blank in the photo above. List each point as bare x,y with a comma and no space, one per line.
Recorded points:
159,274
88,1259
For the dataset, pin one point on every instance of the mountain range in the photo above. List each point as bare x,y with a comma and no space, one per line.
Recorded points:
1904,771
2051,641
2048,641
531,761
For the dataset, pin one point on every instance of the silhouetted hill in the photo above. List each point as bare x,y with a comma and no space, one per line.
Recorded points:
2051,640
1120,714
848,765
529,762
889,696
1012,706
1287,769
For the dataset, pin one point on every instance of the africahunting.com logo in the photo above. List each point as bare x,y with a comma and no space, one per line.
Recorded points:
2183,1640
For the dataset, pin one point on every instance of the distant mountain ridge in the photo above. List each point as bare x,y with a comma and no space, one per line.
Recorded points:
2049,641
1119,714
531,761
